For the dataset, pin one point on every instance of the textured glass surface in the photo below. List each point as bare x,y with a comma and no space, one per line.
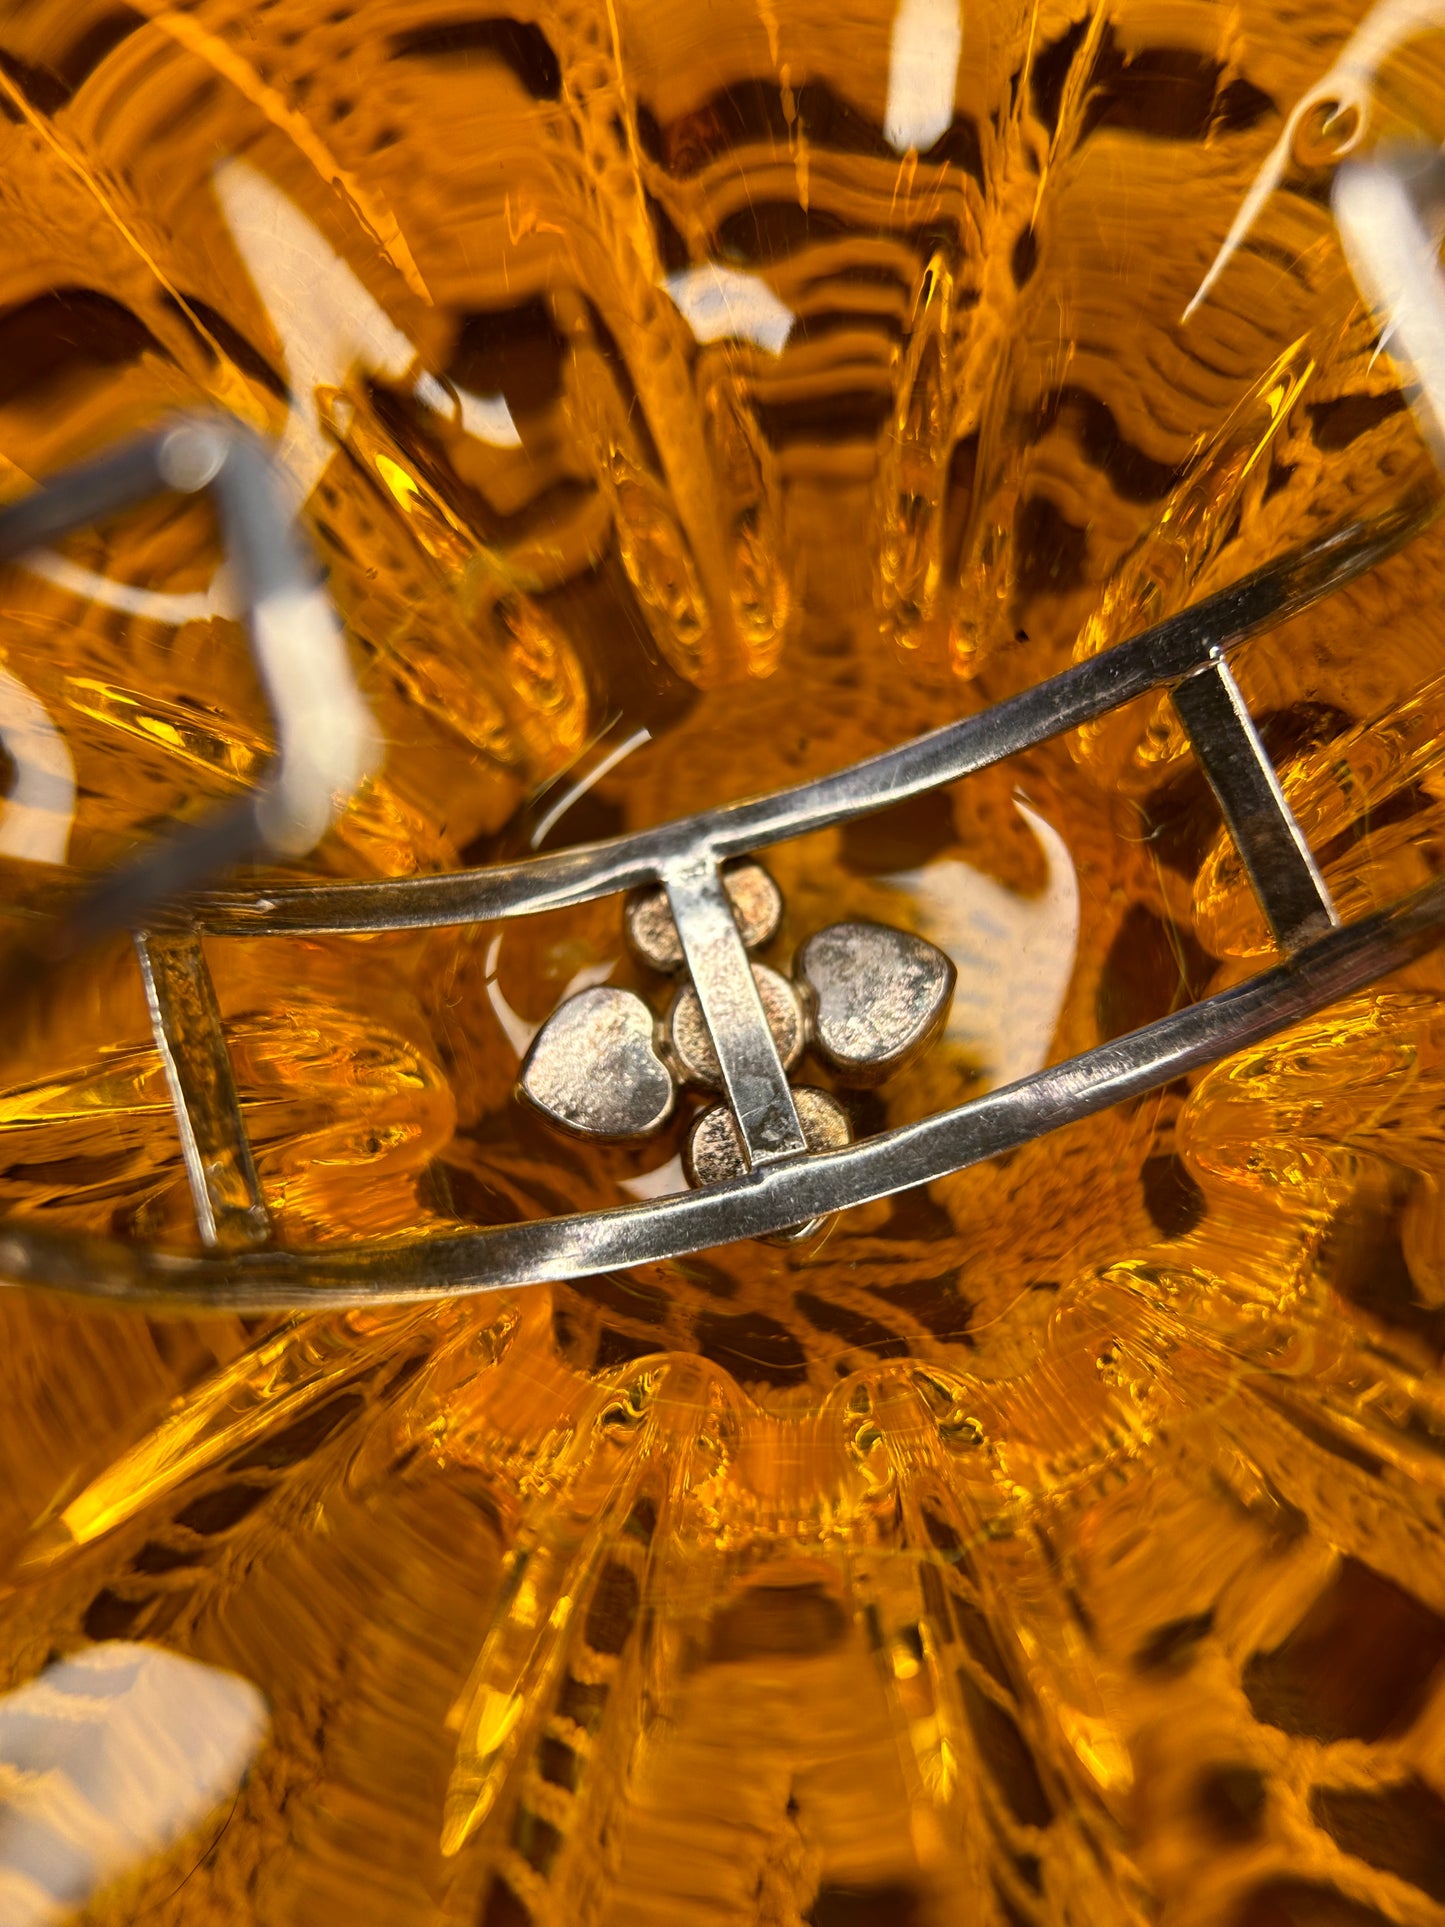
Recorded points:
686,399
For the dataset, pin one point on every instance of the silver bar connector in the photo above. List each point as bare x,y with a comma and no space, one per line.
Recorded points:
1286,879
752,1072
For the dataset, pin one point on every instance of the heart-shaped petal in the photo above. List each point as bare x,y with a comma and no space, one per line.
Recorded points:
878,995
593,1069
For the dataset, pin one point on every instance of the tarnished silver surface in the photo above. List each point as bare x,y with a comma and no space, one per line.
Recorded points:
1271,844
753,1078
691,1047
869,995
594,1070
713,1154
878,995
784,1184
755,900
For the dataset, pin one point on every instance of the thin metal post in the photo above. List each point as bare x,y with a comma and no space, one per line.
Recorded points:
1286,879
230,1208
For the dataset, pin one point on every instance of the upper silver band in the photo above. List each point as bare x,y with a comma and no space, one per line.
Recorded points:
787,1185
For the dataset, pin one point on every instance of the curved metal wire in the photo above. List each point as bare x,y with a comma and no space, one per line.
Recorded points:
1186,655
411,1271
1166,654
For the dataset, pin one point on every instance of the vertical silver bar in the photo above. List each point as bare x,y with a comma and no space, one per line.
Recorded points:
230,1208
1286,879
752,1072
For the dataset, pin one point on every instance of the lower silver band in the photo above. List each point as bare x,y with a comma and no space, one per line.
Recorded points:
768,1199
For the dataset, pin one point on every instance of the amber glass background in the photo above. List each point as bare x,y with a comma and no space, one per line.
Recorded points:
1062,1544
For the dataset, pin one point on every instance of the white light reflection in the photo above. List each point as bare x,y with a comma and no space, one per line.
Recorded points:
1014,955
328,324
518,1030
665,1182
326,321
726,304
35,823
487,417
107,1759
153,605
1386,27
922,72
515,1027
580,788
1395,259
